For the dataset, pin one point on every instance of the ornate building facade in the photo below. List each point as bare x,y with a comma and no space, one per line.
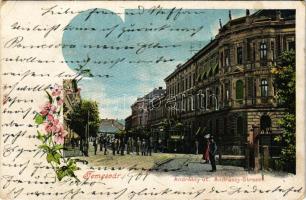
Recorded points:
140,109
226,89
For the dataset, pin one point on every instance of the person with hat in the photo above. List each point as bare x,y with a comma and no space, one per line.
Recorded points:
212,153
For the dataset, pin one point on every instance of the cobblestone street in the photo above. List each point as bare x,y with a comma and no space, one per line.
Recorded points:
188,164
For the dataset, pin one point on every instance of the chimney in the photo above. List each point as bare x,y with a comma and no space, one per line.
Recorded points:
220,23
247,12
229,15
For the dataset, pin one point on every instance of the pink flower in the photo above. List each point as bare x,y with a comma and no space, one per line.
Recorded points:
50,117
60,136
48,108
56,90
53,127
48,128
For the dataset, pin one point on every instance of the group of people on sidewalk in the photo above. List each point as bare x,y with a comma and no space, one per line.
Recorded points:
145,147
210,152
121,146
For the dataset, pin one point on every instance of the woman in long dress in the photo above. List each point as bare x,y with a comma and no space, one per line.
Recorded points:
206,152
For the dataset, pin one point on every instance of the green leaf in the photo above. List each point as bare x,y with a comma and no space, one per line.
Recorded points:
41,137
64,171
60,173
70,172
44,147
72,165
50,158
39,119
58,147
57,157
71,162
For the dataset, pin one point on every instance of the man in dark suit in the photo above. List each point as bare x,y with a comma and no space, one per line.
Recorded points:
212,153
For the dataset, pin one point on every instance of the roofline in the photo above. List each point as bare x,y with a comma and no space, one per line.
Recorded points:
202,51
193,58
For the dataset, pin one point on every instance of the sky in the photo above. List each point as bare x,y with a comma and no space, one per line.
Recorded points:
139,69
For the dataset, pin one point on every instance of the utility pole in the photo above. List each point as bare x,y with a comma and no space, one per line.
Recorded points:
87,134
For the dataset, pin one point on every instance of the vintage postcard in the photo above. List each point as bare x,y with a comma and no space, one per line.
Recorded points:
152,100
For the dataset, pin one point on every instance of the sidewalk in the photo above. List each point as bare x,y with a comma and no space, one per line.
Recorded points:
188,164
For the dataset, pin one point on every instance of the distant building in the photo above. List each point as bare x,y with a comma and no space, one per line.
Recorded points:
139,116
128,123
110,127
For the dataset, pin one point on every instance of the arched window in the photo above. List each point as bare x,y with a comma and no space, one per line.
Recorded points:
239,55
210,98
239,125
239,89
203,104
263,51
216,98
227,93
265,123
264,87
227,57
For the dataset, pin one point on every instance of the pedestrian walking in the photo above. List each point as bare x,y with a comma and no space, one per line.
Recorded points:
196,147
159,145
114,146
101,142
150,146
105,142
132,145
117,145
212,153
143,147
95,145
206,151
129,145
122,146
138,145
